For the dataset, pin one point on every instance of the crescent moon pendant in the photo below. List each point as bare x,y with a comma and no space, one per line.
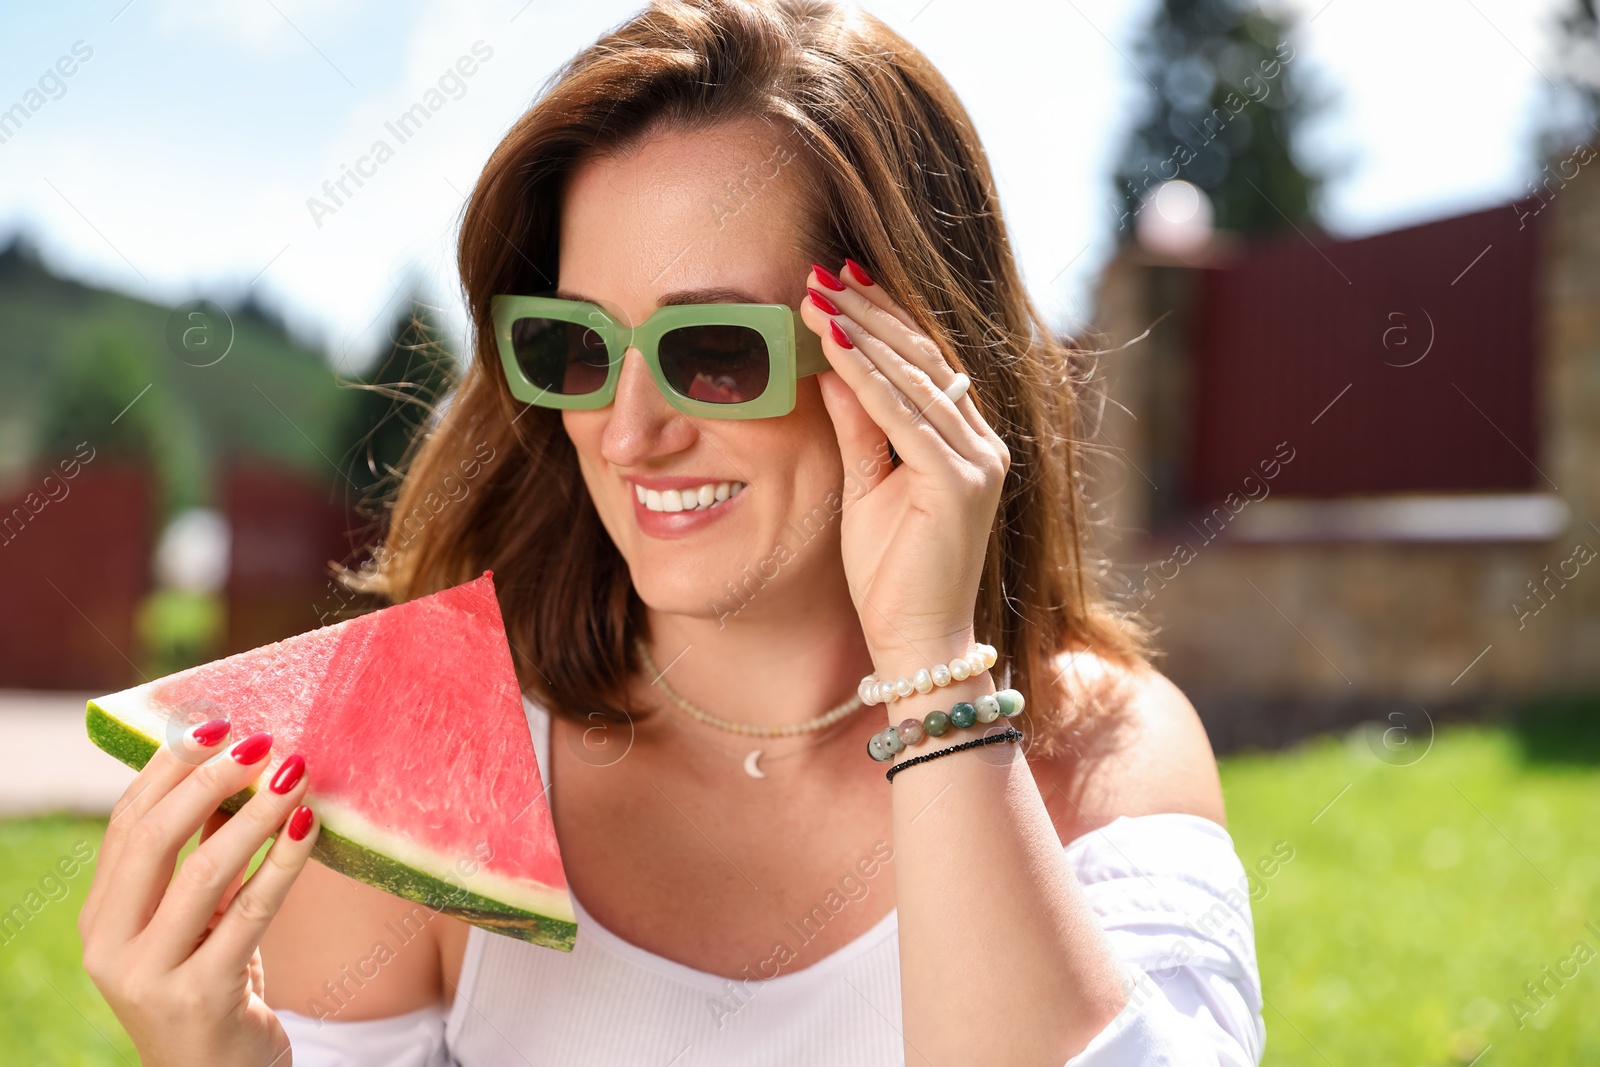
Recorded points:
750,767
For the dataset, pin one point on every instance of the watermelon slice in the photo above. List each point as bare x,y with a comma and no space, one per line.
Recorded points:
418,757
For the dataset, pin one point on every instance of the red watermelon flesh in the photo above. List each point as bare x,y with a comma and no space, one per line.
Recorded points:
419,760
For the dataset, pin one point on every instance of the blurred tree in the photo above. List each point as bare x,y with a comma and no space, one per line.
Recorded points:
395,399
1226,97
102,392
88,397
1573,118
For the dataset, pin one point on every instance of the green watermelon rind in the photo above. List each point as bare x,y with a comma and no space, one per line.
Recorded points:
351,858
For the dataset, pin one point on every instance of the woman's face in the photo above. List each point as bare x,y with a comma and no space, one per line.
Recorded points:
694,219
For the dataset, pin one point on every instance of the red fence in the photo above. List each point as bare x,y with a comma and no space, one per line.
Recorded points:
74,564
1401,362
286,530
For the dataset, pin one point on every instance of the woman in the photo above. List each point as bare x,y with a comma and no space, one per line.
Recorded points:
696,563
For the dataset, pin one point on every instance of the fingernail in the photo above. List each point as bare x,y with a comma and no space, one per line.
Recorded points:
842,338
300,823
855,268
252,748
208,734
827,306
289,773
828,278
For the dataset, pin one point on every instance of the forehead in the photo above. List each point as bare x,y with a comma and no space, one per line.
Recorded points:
713,209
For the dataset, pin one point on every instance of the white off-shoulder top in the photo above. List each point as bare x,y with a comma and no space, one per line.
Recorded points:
1169,891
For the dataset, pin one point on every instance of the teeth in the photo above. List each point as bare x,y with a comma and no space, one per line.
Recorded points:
708,495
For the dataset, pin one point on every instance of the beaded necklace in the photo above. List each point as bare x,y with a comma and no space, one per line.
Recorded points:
751,758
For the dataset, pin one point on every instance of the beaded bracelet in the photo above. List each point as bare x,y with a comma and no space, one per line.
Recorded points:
886,744
1011,734
980,659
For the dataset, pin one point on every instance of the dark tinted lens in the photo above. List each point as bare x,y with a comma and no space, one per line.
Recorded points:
717,364
560,357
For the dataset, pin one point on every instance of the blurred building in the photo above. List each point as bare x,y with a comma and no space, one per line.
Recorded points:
1347,474
76,554
75,542
288,530
132,458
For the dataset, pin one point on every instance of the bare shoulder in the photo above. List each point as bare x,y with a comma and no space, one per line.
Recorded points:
1138,749
342,950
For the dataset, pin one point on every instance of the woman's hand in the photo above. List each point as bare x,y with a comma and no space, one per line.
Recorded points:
914,537
178,962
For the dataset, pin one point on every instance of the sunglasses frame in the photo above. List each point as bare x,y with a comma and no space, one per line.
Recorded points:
793,351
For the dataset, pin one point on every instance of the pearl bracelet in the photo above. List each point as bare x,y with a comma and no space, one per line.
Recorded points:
980,659
892,740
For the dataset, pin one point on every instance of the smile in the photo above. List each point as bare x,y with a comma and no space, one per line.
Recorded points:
695,498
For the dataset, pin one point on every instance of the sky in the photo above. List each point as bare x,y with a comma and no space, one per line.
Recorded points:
178,158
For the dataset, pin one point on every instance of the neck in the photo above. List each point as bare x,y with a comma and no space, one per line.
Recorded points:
783,664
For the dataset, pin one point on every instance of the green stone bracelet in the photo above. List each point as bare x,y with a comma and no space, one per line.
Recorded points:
892,740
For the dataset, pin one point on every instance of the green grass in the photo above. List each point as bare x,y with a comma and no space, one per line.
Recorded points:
1418,904
51,1014
1415,906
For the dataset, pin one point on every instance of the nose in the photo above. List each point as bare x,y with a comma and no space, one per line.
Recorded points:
642,425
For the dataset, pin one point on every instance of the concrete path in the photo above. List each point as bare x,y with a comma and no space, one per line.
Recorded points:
47,762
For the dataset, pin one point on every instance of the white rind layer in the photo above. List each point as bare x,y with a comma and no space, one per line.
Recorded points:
463,871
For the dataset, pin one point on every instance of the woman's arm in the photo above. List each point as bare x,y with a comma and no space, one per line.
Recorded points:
357,974
990,912
343,951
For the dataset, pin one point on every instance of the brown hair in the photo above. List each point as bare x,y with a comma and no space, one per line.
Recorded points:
906,190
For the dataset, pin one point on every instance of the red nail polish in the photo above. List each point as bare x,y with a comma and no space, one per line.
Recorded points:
300,823
840,336
827,306
252,748
828,278
855,268
208,734
289,774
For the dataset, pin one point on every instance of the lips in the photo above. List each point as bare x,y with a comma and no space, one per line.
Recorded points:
670,508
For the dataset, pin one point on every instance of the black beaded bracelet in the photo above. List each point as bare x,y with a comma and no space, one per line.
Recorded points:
1012,734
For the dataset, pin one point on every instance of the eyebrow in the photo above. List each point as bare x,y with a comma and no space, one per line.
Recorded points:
720,295
715,295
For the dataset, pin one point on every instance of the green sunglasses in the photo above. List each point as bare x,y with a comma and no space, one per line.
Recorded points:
713,361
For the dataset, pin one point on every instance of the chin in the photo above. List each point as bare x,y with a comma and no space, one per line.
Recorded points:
680,586
709,577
